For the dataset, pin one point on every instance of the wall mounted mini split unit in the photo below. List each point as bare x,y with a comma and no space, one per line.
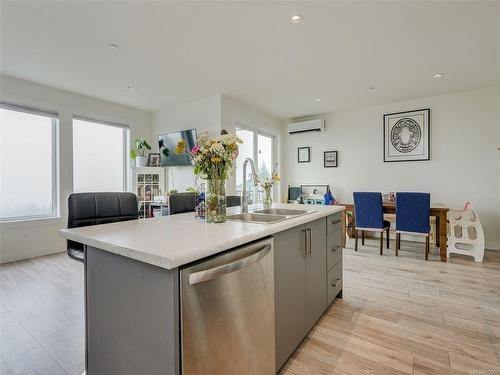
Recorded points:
317,125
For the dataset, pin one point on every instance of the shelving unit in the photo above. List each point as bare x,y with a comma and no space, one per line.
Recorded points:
147,182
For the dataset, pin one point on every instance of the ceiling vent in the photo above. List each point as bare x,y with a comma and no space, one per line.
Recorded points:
317,125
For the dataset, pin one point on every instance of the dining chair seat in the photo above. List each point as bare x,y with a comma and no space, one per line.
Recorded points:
386,224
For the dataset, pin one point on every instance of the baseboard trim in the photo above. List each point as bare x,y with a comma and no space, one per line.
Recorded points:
29,254
489,245
492,245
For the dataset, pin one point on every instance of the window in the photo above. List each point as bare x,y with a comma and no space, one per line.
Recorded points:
28,163
99,156
259,147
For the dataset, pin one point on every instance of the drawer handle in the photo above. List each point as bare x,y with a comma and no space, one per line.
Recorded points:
335,222
335,248
337,283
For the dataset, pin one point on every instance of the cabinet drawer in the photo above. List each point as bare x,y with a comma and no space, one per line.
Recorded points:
333,250
334,282
333,223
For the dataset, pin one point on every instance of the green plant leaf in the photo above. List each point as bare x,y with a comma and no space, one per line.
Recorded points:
133,154
138,143
166,152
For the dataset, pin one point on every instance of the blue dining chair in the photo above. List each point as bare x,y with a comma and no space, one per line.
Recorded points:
369,215
412,217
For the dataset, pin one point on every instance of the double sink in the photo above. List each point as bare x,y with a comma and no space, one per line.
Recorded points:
268,216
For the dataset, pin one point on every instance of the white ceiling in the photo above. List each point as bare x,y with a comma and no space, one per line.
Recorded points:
178,51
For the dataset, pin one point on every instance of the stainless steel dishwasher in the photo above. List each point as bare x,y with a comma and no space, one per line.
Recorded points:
227,313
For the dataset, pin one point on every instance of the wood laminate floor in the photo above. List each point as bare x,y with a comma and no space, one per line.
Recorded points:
41,316
398,316
408,316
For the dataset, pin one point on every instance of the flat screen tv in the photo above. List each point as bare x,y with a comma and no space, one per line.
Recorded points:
169,141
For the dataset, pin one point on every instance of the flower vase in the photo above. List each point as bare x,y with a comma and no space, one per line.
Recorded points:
215,201
267,200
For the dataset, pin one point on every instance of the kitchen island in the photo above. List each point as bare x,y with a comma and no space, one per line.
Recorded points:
140,317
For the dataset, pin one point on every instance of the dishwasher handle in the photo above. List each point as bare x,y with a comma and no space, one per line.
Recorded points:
212,273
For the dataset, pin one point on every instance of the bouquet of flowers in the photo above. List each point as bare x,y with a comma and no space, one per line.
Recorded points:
213,158
268,182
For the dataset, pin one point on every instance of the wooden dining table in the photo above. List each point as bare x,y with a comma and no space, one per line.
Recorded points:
438,210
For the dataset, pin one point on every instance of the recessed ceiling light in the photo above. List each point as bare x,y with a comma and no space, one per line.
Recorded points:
113,46
317,99
130,87
296,19
437,75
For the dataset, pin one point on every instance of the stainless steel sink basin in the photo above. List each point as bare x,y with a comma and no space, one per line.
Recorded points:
257,218
281,211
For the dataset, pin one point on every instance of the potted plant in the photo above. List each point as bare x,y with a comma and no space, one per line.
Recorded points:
139,153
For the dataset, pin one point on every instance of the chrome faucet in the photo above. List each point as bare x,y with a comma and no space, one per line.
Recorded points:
255,178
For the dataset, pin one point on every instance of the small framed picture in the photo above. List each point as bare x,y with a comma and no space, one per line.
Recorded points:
330,159
304,154
153,159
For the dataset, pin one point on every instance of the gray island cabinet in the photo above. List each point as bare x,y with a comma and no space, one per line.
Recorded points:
133,289
308,277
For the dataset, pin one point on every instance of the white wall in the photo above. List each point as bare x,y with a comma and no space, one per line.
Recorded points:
464,165
233,113
20,240
202,115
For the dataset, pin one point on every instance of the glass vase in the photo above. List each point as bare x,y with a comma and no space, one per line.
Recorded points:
215,201
267,200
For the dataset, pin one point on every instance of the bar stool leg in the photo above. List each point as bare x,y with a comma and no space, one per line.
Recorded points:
387,237
362,237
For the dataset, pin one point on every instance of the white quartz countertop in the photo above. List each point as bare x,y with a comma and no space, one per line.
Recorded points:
172,241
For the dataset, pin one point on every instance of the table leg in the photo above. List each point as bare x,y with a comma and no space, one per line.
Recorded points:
443,236
438,240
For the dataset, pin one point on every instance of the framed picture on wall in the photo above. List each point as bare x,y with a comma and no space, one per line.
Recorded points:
407,136
153,159
304,154
330,159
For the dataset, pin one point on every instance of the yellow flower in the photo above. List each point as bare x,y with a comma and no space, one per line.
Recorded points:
216,159
180,147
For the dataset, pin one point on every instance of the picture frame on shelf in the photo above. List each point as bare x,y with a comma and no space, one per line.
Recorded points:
304,154
407,136
330,159
154,159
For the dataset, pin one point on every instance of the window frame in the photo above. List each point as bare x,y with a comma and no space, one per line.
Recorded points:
126,148
256,132
54,116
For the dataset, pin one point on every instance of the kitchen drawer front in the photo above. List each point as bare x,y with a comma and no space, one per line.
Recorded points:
333,250
333,223
334,282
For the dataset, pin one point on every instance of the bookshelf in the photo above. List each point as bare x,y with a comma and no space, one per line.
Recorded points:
147,182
